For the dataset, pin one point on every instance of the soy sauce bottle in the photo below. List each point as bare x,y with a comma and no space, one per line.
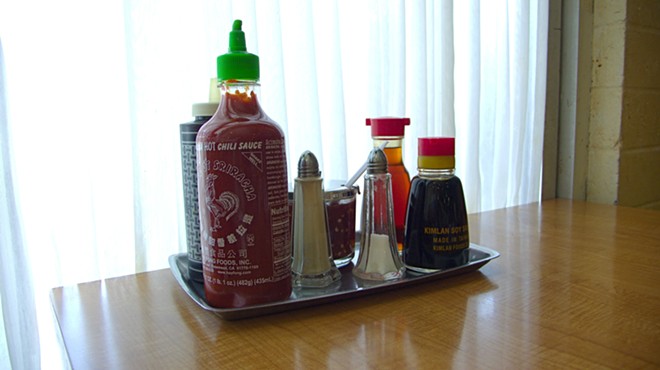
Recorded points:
243,200
436,235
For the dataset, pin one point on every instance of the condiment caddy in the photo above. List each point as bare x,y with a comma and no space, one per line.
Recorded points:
265,251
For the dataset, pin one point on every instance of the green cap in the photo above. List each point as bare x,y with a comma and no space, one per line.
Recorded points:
238,64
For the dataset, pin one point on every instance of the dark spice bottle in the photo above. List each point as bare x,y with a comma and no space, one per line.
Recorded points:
436,235
243,201
188,134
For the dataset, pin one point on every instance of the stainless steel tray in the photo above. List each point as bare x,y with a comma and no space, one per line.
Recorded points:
348,287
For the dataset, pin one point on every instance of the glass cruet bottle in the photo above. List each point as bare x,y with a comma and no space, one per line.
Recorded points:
391,130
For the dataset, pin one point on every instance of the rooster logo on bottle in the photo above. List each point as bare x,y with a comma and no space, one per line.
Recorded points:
221,207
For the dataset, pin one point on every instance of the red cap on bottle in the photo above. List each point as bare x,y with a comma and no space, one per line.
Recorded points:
435,146
387,126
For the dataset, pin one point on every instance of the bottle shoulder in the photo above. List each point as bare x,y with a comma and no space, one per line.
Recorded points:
232,128
439,179
398,170
239,109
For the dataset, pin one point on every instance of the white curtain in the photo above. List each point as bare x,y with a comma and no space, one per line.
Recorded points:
17,301
95,91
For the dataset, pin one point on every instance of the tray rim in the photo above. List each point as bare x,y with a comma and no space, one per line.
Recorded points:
294,303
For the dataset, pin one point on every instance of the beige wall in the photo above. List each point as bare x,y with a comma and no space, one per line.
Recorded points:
607,66
623,100
639,172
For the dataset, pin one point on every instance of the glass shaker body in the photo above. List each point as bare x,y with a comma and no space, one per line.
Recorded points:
312,265
340,206
437,234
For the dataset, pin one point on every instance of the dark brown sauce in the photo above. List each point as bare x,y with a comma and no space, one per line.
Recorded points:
437,235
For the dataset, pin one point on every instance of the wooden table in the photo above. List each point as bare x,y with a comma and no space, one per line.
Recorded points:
577,286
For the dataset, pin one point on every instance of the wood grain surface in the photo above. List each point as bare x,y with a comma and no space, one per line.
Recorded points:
577,285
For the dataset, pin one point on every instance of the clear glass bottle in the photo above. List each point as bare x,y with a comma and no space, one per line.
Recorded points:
379,256
392,129
312,266
242,180
437,235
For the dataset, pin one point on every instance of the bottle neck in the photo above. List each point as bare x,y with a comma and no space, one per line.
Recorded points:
239,99
436,173
392,141
392,150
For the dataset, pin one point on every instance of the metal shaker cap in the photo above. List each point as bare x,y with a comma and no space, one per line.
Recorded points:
377,162
308,165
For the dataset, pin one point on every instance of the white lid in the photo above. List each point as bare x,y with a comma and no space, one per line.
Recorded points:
204,109
208,109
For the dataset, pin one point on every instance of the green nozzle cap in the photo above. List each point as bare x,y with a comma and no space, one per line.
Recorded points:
238,64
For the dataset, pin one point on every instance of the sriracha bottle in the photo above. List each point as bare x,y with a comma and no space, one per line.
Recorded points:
243,200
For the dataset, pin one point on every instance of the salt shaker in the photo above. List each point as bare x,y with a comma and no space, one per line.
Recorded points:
312,266
379,258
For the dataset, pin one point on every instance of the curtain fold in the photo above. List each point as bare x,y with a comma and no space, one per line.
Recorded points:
21,335
90,149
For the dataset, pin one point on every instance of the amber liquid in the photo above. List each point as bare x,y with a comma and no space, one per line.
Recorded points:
437,234
400,189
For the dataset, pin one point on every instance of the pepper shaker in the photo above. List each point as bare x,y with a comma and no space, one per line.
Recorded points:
312,263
